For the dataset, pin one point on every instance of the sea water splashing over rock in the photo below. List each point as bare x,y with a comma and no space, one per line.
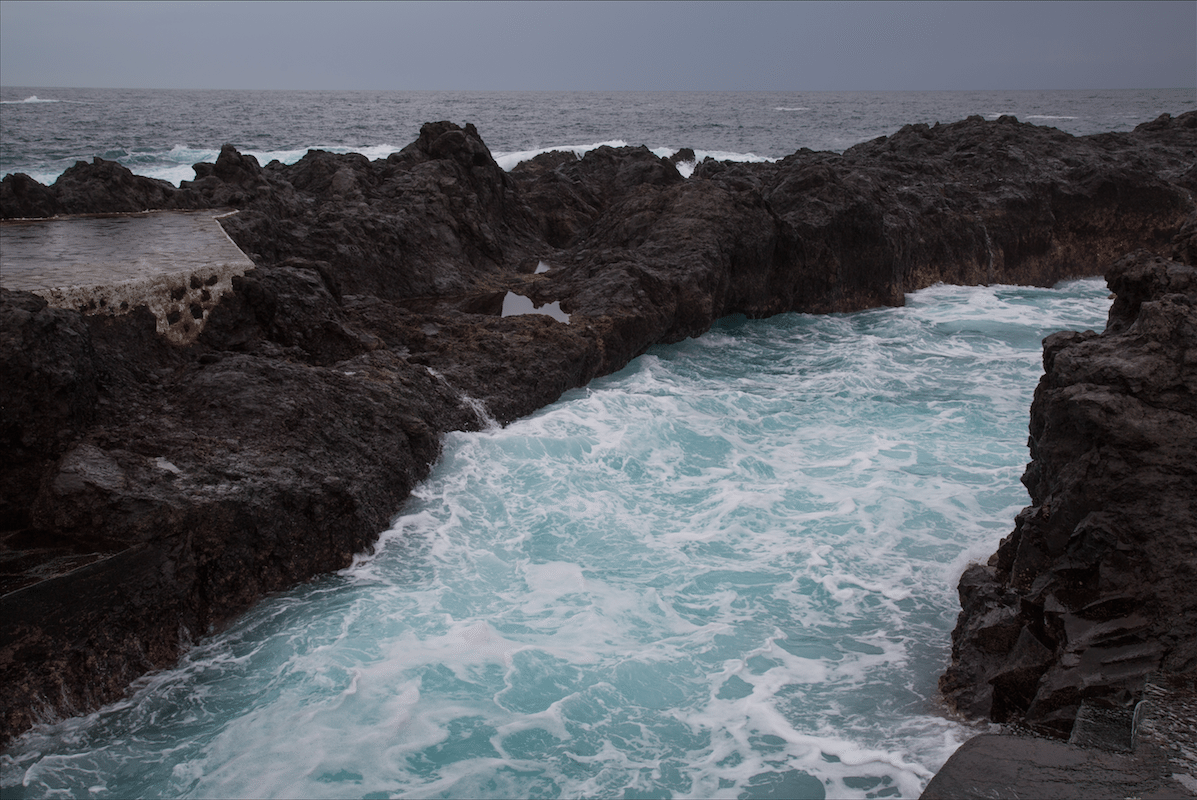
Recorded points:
314,373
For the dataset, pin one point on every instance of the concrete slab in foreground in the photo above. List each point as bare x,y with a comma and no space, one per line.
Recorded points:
1154,757
177,263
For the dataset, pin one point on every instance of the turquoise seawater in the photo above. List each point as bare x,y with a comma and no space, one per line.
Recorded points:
727,571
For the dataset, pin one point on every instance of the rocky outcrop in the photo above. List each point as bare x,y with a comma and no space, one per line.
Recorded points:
183,484
101,187
1093,591
152,491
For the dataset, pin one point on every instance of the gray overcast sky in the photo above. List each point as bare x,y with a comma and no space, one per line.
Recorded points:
604,45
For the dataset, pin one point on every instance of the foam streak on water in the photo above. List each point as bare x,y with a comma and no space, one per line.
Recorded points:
726,571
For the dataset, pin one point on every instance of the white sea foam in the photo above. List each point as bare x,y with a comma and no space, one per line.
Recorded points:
30,99
508,160
1025,117
728,569
176,164
686,168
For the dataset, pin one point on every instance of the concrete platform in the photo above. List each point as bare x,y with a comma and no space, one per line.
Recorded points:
1150,753
177,263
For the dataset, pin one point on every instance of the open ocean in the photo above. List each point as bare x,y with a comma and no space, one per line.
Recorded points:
726,571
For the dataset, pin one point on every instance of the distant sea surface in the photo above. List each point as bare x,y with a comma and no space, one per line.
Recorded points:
161,133
728,570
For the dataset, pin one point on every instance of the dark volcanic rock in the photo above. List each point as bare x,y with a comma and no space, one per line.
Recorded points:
153,491
683,156
200,485
101,187
50,398
1092,592
567,195
106,187
437,218
22,196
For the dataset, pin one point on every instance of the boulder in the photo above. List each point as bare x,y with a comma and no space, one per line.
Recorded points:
23,197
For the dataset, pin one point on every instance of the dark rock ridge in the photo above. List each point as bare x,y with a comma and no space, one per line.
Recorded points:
150,492
1093,592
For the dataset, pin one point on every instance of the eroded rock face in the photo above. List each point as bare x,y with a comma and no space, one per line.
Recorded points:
152,491
203,479
1093,591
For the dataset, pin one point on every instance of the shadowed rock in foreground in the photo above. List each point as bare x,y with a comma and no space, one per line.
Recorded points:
149,491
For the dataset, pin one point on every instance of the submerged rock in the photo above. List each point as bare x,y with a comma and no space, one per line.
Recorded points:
152,490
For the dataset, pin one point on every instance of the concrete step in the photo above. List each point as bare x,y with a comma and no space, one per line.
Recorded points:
1149,751
1166,718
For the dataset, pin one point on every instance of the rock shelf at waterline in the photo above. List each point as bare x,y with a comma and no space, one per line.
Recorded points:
1083,624
152,491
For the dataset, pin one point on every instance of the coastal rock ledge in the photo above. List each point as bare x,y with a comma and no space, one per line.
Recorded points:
1093,592
1083,625
151,491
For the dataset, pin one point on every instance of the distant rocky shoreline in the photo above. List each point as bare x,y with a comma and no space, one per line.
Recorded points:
315,397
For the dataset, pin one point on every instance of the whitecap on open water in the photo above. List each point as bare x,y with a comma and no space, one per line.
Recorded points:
726,571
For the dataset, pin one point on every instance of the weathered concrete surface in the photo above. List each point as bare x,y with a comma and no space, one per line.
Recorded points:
1150,752
177,264
1000,766
151,491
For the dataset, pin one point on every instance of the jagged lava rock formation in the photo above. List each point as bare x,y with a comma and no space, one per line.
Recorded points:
1093,592
151,491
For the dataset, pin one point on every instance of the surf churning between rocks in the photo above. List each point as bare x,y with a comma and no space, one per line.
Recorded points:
726,571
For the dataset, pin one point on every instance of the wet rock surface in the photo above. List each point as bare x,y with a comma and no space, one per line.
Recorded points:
1083,625
153,491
